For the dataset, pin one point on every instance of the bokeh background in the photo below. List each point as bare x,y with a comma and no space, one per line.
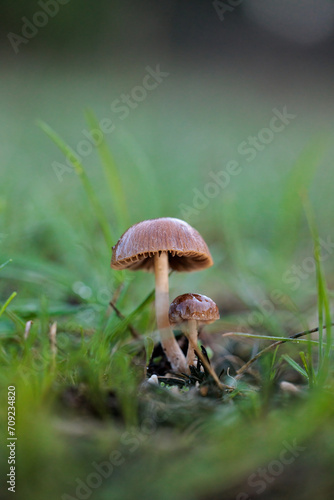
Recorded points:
229,65
229,68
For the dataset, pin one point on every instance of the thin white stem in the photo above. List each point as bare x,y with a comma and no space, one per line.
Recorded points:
172,349
192,336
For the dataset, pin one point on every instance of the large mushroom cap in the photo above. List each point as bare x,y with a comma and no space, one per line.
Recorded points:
187,251
193,306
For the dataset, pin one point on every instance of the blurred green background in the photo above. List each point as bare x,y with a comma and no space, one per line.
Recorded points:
227,67
225,77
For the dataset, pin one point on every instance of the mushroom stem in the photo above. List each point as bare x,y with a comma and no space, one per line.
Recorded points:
172,349
192,336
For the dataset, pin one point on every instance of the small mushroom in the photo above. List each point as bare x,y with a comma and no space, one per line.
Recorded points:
159,245
189,311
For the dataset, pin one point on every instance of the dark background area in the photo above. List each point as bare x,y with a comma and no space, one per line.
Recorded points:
220,32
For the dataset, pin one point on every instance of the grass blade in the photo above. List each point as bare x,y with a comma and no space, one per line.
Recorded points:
5,264
6,304
120,329
295,365
149,348
269,337
18,322
79,169
323,299
140,160
308,365
111,173
298,181
272,346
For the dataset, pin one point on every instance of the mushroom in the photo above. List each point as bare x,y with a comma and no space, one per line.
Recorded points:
159,245
189,311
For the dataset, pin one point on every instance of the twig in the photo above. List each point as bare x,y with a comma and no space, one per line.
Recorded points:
132,330
272,346
117,293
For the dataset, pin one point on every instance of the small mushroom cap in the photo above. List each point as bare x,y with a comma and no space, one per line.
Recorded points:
187,251
193,306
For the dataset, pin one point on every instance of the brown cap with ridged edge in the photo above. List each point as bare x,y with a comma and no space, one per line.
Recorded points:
193,306
187,251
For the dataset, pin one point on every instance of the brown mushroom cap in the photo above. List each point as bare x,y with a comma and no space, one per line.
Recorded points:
187,251
193,306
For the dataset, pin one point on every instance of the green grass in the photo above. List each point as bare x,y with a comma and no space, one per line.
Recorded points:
84,403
